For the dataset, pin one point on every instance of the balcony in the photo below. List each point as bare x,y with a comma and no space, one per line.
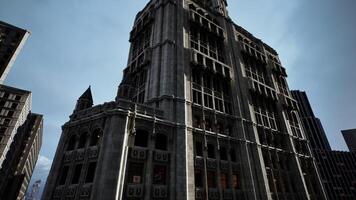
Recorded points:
199,162
253,52
227,194
161,156
68,156
262,89
80,154
224,165
71,191
138,153
209,63
211,163
207,24
134,191
199,193
214,194
93,152
159,192
85,191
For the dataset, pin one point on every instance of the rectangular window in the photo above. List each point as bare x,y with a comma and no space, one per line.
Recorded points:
211,179
90,173
135,173
211,151
197,97
63,176
77,172
235,184
224,181
160,175
198,178
198,149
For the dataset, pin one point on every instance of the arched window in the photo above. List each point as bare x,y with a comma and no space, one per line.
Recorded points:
71,143
95,138
161,142
82,141
141,138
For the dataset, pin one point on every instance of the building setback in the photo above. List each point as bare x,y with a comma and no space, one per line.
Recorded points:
12,40
203,112
337,168
20,130
350,138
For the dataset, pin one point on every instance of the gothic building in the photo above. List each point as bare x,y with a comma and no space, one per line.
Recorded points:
203,112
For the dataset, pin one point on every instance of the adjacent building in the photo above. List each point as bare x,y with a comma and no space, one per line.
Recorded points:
337,168
12,40
20,129
350,138
203,112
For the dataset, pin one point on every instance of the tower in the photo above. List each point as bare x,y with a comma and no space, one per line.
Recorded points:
203,112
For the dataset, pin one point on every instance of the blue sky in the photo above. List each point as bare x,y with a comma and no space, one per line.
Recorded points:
74,44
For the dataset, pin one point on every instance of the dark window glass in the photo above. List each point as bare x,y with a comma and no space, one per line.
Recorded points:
17,98
224,181
82,141
77,172
198,178
223,153
141,138
235,181
160,175
161,142
10,113
63,176
211,151
198,149
95,138
211,179
14,105
135,173
90,173
233,155
71,143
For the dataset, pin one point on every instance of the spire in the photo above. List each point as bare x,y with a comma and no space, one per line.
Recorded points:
85,100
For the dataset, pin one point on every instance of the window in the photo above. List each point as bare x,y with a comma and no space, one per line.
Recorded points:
90,173
235,184
1,138
77,172
17,98
161,142
135,173
223,153
198,149
211,179
208,126
224,181
95,138
82,141
160,175
233,155
10,113
197,122
141,138
211,151
71,143
198,176
63,176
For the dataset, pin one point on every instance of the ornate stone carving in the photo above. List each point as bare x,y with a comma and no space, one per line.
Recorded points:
224,165
227,194
93,152
80,154
134,191
161,156
138,153
214,193
199,162
199,193
211,163
159,191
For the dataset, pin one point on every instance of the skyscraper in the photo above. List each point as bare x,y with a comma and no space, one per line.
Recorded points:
12,40
337,168
34,194
350,138
203,112
20,129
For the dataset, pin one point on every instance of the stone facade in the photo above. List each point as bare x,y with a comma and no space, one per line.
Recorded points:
203,112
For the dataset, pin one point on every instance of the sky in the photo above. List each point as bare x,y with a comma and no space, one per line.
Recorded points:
74,44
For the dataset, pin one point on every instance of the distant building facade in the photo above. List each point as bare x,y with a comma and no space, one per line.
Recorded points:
337,168
35,191
12,40
203,112
20,130
350,138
